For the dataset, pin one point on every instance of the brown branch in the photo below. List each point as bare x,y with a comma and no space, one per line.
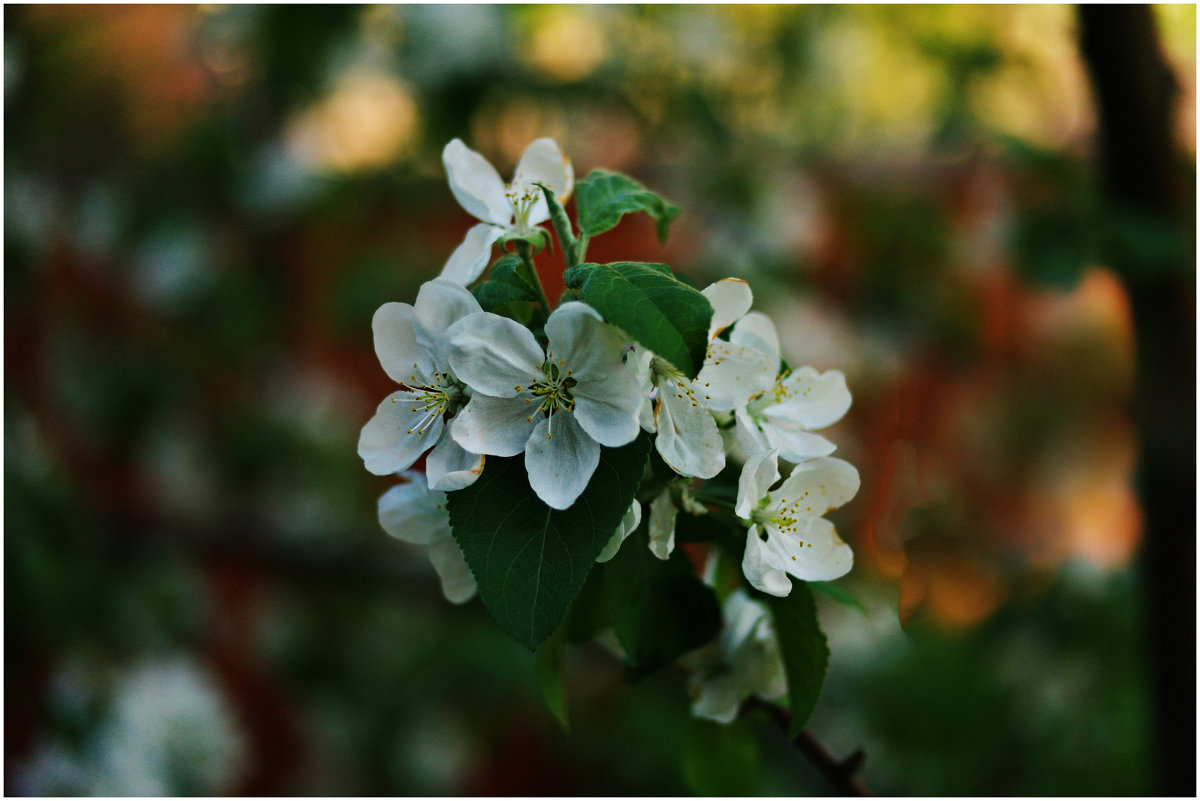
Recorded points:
842,774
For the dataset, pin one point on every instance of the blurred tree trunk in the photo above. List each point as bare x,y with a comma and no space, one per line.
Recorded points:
1135,94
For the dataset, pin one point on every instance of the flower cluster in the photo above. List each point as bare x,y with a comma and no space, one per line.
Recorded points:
559,386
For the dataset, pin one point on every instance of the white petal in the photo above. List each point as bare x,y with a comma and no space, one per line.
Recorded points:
662,525
759,565
580,341
756,330
742,617
720,699
467,261
476,185
440,304
754,484
560,458
688,439
796,445
639,358
748,438
450,466
495,426
814,400
817,554
494,355
819,485
730,299
403,358
760,667
629,523
390,441
608,410
732,375
458,584
411,512
543,162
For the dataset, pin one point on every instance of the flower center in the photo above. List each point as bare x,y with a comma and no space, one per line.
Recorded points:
521,196
444,396
776,517
666,378
787,516
776,394
554,391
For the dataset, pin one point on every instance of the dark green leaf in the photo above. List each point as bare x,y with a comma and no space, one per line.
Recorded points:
659,609
804,649
550,675
505,284
530,560
661,312
603,198
720,759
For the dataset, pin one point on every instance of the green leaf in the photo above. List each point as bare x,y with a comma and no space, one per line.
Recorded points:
530,560
562,226
603,198
839,593
804,649
659,609
504,285
720,759
550,675
654,307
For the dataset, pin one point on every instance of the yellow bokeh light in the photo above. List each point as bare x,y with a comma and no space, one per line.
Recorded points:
369,120
567,43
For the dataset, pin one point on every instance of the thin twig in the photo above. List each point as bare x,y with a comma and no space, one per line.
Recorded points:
842,774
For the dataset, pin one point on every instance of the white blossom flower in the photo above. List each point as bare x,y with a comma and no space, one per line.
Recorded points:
169,731
558,406
788,534
416,514
629,524
411,345
688,438
513,208
772,409
745,661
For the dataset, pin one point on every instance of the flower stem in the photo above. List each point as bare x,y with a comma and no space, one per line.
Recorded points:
531,275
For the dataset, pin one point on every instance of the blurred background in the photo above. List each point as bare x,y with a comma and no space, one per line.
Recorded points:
984,215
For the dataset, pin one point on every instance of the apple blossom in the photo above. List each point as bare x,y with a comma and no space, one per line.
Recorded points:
788,535
772,408
412,348
515,208
743,662
558,406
